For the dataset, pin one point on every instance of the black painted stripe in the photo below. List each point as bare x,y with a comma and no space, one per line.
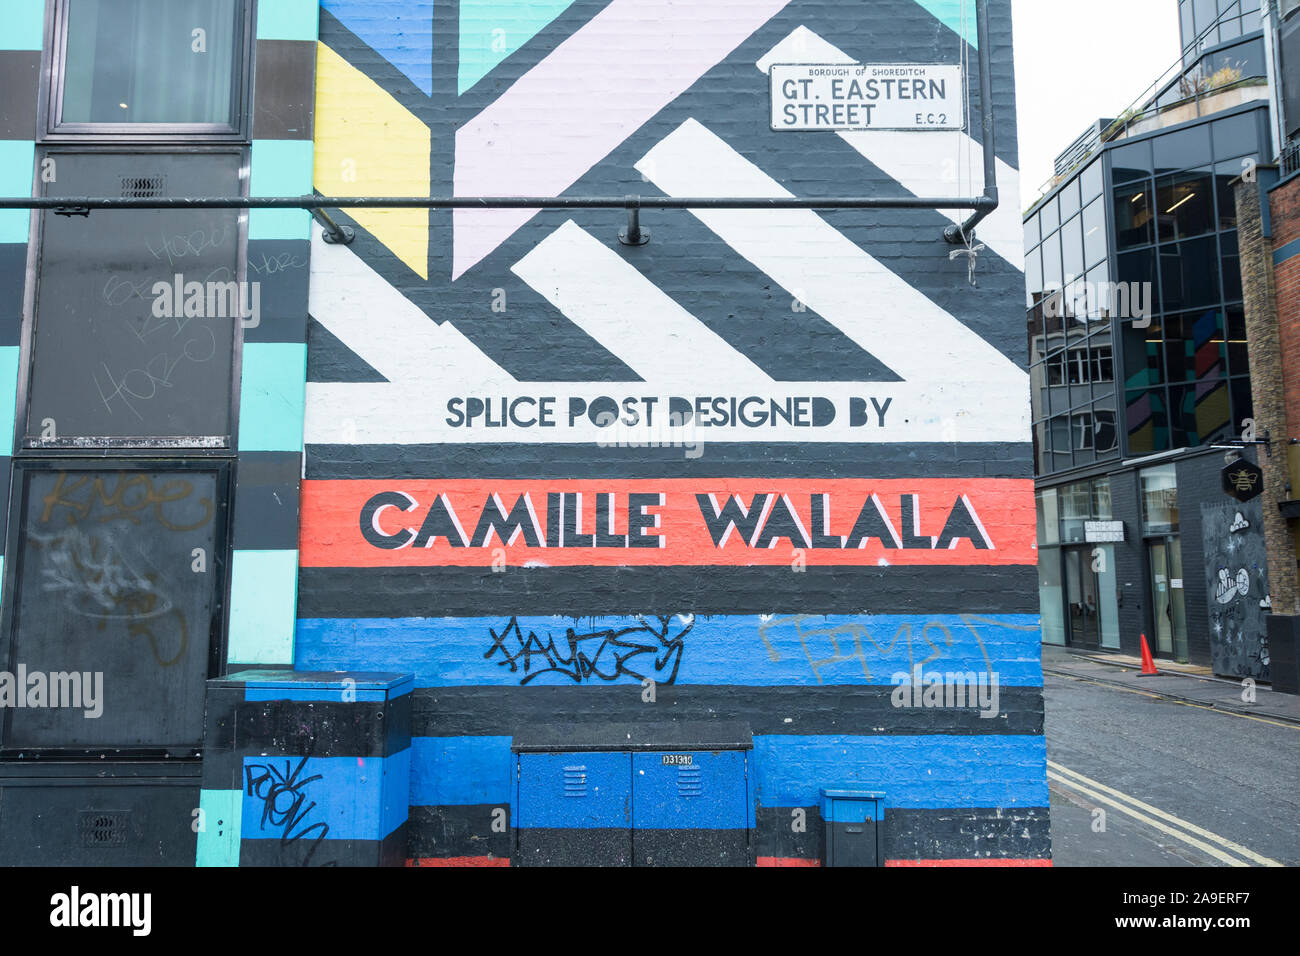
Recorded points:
992,833
20,78
1003,833
863,711
719,460
583,592
460,831
284,98
392,850
266,501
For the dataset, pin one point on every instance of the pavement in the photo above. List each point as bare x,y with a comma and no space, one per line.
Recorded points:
1169,771
1182,682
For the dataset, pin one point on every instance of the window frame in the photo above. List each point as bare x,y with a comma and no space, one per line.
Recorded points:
53,74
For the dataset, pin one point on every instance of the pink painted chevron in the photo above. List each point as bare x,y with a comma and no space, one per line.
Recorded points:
575,107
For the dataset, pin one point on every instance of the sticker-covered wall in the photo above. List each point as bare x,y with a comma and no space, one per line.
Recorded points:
765,478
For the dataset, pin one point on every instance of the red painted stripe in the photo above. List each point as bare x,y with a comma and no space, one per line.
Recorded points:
786,861
332,537
982,862
459,861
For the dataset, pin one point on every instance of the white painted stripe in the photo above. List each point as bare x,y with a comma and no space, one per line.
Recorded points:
386,329
1149,821
952,373
630,316
934,164
1156,811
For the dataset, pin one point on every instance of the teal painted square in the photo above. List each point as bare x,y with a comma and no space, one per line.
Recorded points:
17,162
218,843
24,25
9,358
272,397
288,20
263,602
281,167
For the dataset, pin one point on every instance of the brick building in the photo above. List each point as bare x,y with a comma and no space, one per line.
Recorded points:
476,536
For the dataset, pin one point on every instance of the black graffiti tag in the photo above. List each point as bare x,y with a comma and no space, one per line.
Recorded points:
283,795
645,651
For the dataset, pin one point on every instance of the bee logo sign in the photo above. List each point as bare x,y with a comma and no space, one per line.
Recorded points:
858,96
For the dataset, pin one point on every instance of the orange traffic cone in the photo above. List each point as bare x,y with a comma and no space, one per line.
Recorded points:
1148,665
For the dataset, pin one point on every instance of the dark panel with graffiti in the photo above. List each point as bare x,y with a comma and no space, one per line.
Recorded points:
1236,571
114,605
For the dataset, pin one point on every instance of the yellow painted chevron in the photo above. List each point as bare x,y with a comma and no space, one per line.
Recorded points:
368,144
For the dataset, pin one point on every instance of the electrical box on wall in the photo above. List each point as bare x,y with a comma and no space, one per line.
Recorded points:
645,795
853,820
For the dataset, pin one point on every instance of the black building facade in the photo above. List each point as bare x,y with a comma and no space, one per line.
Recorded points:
1139,368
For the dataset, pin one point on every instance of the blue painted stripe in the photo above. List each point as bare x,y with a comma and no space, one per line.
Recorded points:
24,25
17,161
273,396
460,771
1289,251
738,650
334,695
401,31
9,360
921,772
350,795
287,20
218,838
918,773
281,167
263,591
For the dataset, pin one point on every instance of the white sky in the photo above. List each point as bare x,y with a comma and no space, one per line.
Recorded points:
1078,60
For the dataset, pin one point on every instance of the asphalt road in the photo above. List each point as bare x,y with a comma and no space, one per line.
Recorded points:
1180,785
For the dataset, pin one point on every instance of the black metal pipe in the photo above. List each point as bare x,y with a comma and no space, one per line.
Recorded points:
75,204
988,131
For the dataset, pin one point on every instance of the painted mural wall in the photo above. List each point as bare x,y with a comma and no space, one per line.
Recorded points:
757,470
1236,572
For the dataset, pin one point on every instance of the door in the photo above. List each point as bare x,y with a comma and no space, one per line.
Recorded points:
575,809
1081,594
1169,618
689,809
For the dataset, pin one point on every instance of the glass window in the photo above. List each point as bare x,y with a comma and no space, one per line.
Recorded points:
1206,13
1189,274
1052,277
1094,233
1069,199
1072,249
1031,231
1238,357
1100,308
1102,360
1107,438
151,61
1050,214
1232,291
1243,407
1226,172
1134,216
1131,162
1033,278
1199,414
1159,500
1090,182
1148,422
1051,596
1194,347
1144,355
1186,205
1049,531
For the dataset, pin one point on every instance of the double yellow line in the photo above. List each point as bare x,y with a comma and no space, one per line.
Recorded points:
1211,844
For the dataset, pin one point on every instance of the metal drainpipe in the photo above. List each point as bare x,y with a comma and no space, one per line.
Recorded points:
960,234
